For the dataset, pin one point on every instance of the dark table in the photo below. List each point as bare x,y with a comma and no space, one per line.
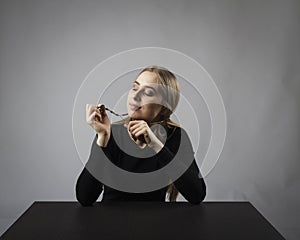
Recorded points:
141,220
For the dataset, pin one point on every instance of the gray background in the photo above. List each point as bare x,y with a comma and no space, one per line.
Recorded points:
251,49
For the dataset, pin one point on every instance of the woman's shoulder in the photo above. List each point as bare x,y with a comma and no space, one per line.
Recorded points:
175,127
176,131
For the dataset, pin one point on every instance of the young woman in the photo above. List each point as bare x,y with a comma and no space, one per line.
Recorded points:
150,101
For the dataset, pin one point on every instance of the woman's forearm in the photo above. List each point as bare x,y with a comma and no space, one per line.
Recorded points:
191,184
103,139
88,188
156,147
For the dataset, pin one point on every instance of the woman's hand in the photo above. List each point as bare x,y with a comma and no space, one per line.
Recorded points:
99,122
142,135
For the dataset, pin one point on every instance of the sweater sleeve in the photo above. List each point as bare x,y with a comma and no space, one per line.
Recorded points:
88,187
191,183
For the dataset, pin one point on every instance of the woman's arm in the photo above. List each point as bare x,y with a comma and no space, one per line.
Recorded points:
88,187
190,184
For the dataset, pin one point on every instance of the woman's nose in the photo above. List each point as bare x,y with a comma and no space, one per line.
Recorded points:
136,96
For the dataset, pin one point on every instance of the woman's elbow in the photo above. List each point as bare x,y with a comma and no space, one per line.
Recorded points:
83,198
198,198
84,201
200,193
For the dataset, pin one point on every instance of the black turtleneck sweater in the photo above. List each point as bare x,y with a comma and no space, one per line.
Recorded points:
190,184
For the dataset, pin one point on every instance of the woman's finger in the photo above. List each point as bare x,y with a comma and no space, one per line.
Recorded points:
145,134
103,110
132,127
140,143
139,128
98,115
90,108
129,125
142,132
87,111
135,124
93,117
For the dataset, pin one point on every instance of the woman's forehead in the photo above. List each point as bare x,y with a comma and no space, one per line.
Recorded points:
147,78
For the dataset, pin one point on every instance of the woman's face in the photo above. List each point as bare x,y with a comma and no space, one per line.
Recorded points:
144,98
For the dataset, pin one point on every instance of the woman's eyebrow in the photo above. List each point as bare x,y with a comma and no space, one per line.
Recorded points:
145,85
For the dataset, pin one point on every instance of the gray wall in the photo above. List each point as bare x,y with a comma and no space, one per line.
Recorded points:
251,49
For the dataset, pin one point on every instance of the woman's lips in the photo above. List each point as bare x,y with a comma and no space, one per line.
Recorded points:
134,107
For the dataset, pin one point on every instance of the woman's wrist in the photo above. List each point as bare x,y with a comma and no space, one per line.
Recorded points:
102,139
156,146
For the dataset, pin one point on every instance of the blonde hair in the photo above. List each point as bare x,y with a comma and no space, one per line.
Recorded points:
171,95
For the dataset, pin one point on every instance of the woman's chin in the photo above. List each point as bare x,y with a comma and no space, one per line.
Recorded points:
135,115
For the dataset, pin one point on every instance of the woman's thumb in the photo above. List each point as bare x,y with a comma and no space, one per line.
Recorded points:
102,109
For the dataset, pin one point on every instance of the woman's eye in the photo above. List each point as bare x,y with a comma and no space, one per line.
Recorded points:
149,93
